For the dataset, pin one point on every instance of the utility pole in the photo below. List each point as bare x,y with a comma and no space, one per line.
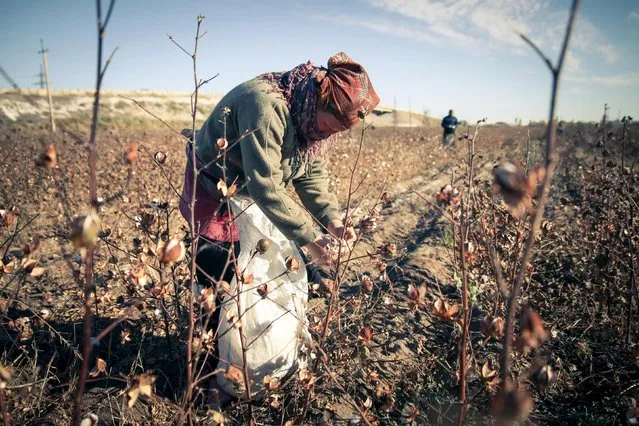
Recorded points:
40,75
46,80
605,116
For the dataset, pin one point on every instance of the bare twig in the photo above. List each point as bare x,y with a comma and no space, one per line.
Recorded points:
539,211
632,285
93,192
6,419
338,277
538,51
463,367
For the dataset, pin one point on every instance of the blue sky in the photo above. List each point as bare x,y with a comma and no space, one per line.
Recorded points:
440,54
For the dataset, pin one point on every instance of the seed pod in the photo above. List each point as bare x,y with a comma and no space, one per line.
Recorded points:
84,230
493,327
533,333
221,144
132,154
263,245
367,284
171,252
543,376
160,157
263,291
48,159
207,300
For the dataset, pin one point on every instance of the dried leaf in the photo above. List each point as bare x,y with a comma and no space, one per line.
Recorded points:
207,300
9,267
368,403
410,412
417,294
235,376
441,309
217,417
38,272
100,367
448,195
5,376
90,420
271,383
275,401
226,191
224,287
28,265
132,154
142,385
292,264
306,377
221,187
263,291
365,334
125,336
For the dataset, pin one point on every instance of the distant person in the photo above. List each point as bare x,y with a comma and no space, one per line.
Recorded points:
449,123
561,127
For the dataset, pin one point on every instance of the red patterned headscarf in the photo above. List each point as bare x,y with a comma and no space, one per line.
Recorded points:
343,88
346,90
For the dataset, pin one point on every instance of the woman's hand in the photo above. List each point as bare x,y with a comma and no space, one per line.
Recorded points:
318,249
338,230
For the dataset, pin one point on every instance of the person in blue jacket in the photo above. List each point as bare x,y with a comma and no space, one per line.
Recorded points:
449,123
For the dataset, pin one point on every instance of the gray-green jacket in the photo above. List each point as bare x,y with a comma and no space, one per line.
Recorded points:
267,160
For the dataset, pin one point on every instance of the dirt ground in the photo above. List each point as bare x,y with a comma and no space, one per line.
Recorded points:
411,358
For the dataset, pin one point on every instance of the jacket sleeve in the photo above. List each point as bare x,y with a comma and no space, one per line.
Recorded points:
312,188
261,160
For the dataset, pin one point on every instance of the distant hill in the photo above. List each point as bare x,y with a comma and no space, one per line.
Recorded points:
172,106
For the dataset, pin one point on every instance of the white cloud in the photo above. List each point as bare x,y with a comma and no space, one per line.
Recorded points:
634,15
573,63
630,79
578,91
409,30
489,24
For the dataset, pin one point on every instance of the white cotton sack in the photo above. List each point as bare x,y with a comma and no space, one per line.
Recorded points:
275,327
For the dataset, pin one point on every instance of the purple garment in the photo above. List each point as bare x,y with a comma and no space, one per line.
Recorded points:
298,87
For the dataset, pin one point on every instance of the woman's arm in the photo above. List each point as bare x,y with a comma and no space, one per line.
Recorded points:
312,188
261,158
